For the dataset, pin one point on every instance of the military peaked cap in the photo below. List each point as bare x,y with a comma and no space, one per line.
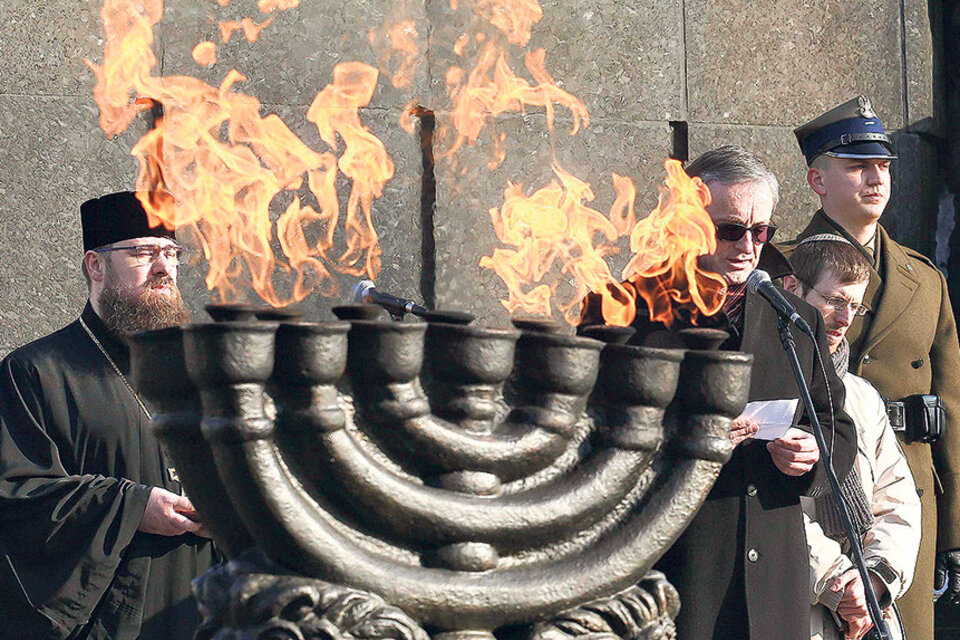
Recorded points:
851,130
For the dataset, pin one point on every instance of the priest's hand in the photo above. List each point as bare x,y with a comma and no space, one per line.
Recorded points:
166,515
742,429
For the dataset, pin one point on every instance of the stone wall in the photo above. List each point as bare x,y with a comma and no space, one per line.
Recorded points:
736,71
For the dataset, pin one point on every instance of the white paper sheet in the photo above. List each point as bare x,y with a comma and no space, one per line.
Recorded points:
775,417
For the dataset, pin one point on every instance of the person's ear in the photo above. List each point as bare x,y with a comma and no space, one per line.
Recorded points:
816,182
793,285
94,262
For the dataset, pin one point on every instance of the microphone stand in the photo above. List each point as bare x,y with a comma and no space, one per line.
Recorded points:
790,346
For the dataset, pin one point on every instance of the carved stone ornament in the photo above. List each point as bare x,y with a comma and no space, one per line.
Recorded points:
249,598
480,481
643,612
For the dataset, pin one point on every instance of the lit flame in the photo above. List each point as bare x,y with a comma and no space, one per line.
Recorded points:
399,52
251,30
665,246
552,228
205,53
515,18
336,110
491,87
216,164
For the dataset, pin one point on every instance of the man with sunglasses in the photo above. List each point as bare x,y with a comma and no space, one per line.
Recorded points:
906,343
741,566
97,540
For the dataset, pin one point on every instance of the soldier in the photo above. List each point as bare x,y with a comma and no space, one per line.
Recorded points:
906,343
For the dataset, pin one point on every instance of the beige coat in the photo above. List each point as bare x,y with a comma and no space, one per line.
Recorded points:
908,344
891,545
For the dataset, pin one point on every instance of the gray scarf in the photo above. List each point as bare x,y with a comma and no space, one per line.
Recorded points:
841,358
828,514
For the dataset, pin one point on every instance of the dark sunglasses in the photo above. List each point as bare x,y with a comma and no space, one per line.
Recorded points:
732,232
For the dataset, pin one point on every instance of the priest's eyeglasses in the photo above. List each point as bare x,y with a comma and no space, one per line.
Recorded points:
145,254
839,304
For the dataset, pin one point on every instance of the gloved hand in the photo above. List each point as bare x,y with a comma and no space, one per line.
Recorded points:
946,579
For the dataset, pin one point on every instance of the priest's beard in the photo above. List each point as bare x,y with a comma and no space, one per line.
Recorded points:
125,309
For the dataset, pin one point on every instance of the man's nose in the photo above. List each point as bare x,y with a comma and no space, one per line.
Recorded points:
845,316
746,243
873,175
163,265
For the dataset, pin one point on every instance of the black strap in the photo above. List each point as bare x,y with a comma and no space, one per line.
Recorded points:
853,138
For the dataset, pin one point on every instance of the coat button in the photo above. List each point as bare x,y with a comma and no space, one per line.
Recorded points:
753,555
751,490
866,359
916,364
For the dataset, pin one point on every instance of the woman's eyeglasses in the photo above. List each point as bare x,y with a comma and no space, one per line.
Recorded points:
732,232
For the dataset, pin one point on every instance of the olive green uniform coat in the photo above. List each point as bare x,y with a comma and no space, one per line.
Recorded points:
907,344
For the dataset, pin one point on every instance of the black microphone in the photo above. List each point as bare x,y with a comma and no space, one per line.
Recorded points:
759,282
366,291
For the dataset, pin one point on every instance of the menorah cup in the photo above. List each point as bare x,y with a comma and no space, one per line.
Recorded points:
397,479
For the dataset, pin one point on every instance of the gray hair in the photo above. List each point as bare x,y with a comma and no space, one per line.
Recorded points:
732,164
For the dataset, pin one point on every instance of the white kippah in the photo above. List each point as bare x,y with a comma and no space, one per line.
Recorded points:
825,237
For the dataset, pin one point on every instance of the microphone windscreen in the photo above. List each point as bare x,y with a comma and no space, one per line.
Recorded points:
362,289
756,278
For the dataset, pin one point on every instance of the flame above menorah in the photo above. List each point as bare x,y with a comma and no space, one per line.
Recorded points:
473,479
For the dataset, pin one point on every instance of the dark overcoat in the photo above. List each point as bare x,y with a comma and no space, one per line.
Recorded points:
907,344
77,464
742,567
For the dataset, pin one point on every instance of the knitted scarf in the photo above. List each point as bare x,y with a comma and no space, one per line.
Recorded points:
828,513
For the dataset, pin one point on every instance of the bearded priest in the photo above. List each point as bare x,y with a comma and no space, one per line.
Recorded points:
96,538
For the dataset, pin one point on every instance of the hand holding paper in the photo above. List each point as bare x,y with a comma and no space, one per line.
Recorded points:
742,429
774,417
795,453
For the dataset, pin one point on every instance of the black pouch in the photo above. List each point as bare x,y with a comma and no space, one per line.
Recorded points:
925,417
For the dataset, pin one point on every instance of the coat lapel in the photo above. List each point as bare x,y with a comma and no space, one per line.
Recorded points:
751,322
900,285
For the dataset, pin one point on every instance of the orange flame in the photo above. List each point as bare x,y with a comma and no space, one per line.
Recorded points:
551,227
399,52
492,88
251,30
336,110
665,246
221,164
205,53
515,18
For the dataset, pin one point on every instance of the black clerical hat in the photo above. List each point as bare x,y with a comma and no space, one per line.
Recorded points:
116,217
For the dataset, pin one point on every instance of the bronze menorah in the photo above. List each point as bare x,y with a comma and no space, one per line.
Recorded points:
403,477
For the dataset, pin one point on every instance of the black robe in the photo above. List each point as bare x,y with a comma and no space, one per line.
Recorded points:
727,592
77,462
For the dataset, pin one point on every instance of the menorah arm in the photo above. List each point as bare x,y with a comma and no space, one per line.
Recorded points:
448,448
418,513
292,530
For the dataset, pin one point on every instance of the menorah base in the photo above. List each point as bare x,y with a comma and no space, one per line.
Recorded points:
251,597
